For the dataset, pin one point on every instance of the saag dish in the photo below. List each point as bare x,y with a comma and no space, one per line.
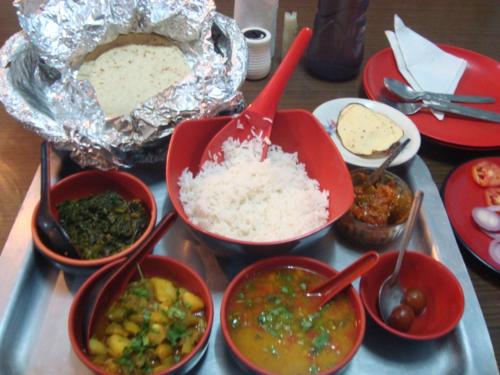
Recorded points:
149,329
274,324
103,224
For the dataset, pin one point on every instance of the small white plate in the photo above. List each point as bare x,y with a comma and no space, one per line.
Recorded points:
330,111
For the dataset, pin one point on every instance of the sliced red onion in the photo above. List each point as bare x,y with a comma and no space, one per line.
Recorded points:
494,250
487,218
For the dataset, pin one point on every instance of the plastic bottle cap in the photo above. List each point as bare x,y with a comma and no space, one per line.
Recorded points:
259,52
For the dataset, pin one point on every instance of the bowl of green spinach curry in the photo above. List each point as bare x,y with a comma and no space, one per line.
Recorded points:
106,214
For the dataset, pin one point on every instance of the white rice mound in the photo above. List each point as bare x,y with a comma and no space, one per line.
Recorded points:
247,199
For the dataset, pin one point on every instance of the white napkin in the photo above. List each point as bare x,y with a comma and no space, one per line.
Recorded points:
425,66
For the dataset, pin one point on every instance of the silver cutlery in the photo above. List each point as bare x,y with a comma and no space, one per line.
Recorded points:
406,92
410,108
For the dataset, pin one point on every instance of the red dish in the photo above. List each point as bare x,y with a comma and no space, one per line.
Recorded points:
461,194
482,77
84,184
153,265
280,262
294,130
445,298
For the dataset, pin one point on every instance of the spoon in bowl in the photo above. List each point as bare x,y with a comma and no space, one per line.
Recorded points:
391,293
335,284
119,279
257,119
51,232
377,173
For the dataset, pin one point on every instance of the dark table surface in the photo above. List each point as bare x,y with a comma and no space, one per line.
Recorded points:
468,24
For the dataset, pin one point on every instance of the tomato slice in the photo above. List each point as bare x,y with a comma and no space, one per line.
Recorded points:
486,173
492,196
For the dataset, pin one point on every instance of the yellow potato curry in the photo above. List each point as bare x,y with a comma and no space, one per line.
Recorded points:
152,326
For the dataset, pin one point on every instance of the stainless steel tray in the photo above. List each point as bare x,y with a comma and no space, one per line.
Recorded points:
35,297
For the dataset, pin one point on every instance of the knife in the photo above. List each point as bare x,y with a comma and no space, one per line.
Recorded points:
463,110
406,92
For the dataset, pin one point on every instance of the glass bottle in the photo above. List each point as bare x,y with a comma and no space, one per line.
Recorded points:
335,52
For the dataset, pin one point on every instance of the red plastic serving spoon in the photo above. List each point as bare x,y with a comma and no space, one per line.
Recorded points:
257,119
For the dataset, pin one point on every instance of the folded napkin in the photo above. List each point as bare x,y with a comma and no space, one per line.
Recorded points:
425,66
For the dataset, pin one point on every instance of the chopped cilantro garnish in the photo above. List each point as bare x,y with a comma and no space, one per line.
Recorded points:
176,331
141,292
174,312
320,341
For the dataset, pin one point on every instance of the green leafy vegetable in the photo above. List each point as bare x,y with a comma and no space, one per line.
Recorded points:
102,224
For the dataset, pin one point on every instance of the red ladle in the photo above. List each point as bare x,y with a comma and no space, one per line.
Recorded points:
257,119
335,284
119,279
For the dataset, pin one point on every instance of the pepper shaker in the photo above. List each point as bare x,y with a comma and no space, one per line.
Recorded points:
257,13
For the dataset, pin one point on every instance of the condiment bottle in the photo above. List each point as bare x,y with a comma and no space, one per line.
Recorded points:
335,52
259,52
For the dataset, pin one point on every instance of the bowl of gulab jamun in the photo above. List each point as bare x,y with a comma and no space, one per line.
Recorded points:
432,303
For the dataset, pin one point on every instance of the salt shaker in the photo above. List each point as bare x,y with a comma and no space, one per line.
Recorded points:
290,29
257,13
335,52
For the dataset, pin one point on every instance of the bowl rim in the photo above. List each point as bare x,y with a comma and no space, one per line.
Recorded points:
290,261
198,348
89,263
180,209
411,336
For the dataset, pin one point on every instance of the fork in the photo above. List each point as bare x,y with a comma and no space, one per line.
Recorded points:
411,108
408,108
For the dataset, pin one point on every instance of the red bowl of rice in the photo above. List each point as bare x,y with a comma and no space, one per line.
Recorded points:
295,131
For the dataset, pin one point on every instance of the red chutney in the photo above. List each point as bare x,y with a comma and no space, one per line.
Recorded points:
385,202
274,324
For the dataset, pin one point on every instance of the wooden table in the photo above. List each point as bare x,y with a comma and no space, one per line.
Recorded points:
468,24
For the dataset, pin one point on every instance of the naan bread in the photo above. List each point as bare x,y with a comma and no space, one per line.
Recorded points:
127,75
366,132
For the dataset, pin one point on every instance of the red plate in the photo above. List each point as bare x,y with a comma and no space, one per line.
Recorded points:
461,194
482,77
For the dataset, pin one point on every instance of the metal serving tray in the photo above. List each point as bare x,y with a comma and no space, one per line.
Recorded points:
35,297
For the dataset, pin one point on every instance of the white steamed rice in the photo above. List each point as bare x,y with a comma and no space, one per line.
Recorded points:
248,199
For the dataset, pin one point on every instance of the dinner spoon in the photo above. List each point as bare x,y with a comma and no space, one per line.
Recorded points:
391,293
335,284
119,279
377,173
51,232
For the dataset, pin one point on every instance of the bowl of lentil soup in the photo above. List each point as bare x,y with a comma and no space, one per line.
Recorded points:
271,327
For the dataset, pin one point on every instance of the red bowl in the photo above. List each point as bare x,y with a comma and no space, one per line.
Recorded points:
445,298
153,265
279,262
295,131
84,184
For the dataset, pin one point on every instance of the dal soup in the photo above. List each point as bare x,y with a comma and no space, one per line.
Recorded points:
274,324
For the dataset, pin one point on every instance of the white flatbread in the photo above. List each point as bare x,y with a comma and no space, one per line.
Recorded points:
127,75
366,132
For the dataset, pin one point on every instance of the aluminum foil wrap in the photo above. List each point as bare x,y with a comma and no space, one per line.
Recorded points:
39,66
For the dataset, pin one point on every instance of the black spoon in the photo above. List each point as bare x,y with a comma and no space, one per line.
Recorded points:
51,232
